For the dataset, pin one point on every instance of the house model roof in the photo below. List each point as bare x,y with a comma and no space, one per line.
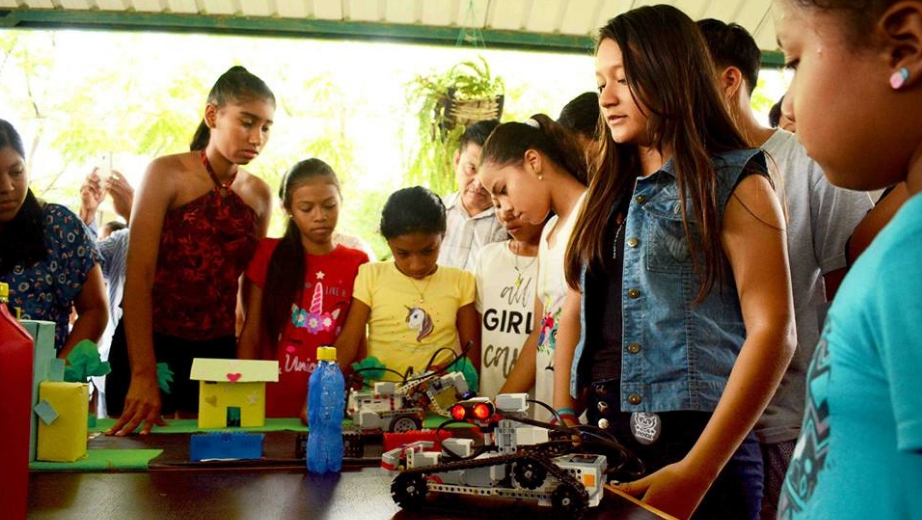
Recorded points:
234,370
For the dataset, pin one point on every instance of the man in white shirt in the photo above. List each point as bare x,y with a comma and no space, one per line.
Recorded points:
472,222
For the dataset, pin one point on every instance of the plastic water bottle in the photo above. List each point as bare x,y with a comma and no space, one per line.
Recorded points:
326,402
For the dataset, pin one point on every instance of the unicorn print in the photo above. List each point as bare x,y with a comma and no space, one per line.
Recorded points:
419,320
314,320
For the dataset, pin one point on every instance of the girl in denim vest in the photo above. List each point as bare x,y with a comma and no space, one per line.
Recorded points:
683,293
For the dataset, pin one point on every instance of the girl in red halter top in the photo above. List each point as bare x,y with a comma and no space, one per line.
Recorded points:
194,228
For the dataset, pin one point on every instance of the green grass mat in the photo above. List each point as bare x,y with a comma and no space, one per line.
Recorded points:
102,460
272,425
191,426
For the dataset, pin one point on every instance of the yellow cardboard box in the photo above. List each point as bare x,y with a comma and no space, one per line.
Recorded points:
62,425
232,392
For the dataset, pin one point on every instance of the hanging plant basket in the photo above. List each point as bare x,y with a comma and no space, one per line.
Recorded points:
445,103
451,111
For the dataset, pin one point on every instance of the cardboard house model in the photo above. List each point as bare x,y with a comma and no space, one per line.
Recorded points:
45,367
232,392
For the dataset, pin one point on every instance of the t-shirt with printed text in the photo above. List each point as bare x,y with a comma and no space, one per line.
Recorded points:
506,301
315,320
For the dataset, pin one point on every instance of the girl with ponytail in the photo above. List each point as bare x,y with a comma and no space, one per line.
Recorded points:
194,227
536,170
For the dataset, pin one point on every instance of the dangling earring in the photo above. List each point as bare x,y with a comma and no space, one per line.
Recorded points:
540,177
898,79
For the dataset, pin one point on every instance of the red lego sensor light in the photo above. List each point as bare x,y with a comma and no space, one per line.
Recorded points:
480,410
483,411
458,412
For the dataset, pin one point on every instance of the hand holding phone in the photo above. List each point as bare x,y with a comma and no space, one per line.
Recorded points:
104,167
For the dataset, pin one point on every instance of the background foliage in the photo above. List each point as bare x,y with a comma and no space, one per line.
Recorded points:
429,96
76,96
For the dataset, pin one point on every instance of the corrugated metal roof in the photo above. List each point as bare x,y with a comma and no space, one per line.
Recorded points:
558,25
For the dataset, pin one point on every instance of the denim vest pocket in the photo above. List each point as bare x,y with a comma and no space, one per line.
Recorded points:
665,247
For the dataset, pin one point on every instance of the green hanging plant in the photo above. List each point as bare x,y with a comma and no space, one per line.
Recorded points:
445,103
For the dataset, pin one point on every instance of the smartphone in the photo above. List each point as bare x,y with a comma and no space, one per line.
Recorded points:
104,167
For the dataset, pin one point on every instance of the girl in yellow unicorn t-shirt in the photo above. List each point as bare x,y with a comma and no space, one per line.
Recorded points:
411,306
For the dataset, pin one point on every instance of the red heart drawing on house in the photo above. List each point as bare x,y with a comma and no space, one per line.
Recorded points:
233,377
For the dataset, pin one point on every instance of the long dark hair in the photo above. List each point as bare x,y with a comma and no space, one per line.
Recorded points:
413,210
234,86
671,77
23,237
509,142
581,115
288,261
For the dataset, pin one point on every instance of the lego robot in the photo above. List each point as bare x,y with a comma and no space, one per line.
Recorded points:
401,407
517,461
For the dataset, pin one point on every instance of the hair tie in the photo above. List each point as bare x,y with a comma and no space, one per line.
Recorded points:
532,123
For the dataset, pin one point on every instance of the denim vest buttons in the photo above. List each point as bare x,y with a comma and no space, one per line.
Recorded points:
677,355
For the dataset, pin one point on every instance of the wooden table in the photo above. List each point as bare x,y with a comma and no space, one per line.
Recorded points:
239,494
275,488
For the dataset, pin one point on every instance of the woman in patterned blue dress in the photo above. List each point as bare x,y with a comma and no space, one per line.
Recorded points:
46,255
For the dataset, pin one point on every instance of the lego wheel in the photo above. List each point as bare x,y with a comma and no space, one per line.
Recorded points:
568,502
529,474
404,423
409,490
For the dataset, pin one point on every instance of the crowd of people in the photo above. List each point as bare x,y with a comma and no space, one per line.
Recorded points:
722,297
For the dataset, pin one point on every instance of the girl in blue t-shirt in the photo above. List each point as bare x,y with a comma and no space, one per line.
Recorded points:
856,97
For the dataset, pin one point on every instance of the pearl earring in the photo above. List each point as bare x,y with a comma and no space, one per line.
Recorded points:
898,79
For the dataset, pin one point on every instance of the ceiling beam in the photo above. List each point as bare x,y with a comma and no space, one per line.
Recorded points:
298,28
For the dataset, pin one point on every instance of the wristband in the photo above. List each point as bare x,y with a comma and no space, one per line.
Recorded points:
565,416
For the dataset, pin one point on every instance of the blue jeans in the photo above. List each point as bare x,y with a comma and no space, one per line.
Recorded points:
737,491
